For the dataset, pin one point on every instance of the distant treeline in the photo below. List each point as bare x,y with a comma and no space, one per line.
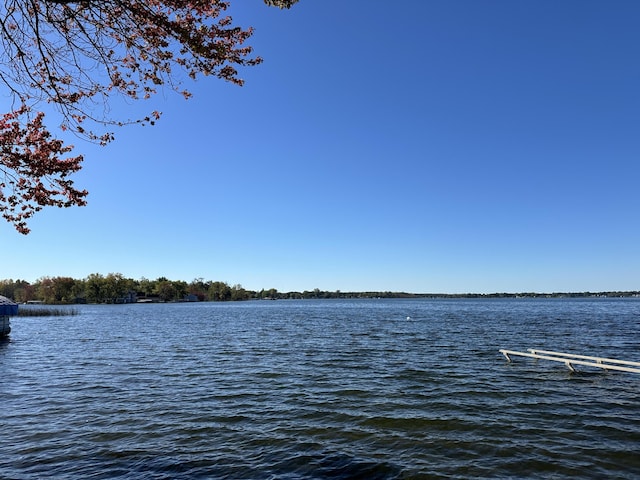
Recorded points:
115,288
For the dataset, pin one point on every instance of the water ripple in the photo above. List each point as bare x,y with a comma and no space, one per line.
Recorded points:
388,389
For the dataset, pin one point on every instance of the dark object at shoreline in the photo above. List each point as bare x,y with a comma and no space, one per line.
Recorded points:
7,309
5,327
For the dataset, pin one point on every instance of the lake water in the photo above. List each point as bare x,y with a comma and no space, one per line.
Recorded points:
328,389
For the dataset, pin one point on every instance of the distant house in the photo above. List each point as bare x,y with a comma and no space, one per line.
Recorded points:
130,297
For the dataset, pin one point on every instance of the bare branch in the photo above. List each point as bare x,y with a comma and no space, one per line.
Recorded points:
76,55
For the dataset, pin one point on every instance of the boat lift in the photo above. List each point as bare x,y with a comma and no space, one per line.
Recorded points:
571,360
7,308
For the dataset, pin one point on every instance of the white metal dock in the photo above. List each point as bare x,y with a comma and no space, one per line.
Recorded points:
571,360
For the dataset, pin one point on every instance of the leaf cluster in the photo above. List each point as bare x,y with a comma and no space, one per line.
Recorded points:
77,56
35,175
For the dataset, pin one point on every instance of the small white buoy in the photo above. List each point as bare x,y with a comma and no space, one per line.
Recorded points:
408,318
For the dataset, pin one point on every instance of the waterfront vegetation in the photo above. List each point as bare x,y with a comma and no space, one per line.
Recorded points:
46,312
115,288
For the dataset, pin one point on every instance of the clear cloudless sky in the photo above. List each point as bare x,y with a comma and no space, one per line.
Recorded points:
418,145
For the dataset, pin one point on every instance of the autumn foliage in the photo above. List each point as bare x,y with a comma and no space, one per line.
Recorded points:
35,175
71,57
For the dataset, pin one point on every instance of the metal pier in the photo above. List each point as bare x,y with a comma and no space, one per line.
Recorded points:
571,360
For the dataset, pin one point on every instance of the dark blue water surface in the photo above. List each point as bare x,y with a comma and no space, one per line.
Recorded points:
334,389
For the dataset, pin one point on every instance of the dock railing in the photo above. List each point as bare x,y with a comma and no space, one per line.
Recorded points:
571,360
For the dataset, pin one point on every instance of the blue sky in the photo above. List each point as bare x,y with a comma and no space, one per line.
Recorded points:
422,146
